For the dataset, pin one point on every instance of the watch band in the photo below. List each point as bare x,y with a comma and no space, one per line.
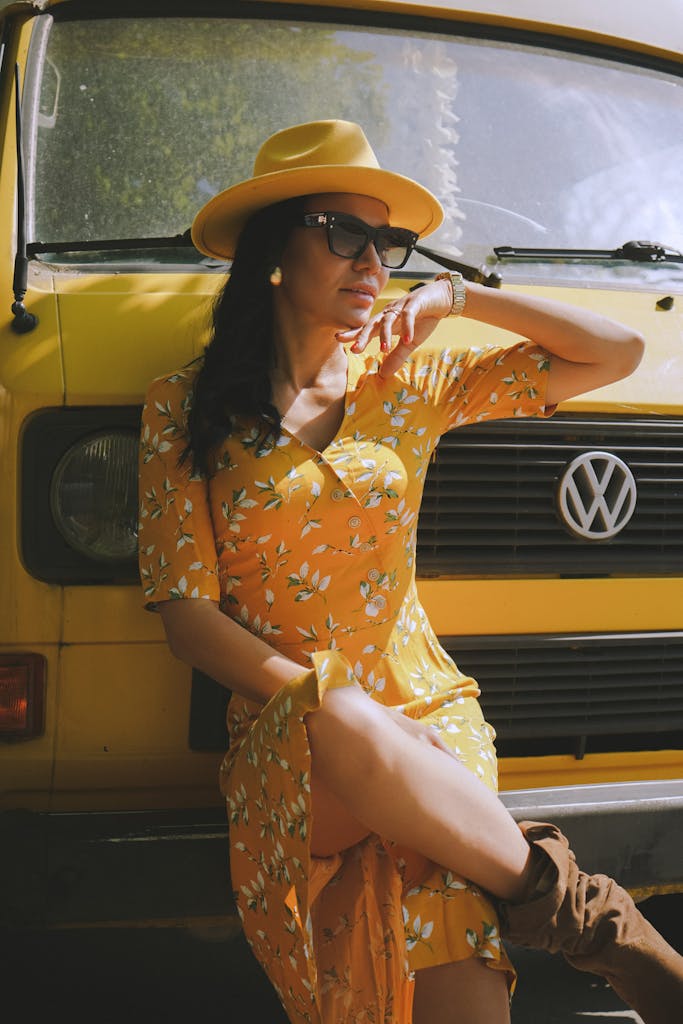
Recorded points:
458,288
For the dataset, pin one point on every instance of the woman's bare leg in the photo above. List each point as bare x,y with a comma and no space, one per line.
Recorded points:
467,992
410,792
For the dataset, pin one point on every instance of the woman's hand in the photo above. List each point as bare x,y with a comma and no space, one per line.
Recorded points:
420,731
412,318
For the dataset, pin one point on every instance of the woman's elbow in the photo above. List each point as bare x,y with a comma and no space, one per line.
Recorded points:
628,355
177,642
177,645
637,350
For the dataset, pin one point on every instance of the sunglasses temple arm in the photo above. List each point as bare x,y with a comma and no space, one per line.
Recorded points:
479,275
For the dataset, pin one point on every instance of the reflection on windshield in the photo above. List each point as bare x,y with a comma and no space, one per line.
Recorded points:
622,199
146,118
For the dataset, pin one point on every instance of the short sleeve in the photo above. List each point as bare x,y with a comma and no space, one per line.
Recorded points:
483,383
176,546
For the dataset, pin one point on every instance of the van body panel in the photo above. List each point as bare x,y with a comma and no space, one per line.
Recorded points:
553,605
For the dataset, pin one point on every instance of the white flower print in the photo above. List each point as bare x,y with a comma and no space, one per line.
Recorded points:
417,931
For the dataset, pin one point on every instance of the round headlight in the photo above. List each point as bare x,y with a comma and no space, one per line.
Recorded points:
93,495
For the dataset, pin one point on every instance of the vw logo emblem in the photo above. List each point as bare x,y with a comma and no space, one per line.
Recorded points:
596,496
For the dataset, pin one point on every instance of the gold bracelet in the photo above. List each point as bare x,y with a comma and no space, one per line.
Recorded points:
458,289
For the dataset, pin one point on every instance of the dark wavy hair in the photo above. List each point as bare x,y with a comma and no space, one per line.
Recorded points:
234,374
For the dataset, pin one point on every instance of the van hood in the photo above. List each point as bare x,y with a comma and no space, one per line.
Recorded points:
120,332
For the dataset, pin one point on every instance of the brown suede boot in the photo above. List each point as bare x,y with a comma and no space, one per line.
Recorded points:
596,925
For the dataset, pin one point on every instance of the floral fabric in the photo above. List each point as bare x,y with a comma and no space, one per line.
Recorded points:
315,553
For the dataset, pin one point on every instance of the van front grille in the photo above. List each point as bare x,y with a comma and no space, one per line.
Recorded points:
555,694
490,501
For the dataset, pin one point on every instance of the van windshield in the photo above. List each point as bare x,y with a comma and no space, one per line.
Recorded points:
133,123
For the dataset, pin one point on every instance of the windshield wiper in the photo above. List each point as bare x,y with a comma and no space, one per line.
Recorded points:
480,275
113,245
632,252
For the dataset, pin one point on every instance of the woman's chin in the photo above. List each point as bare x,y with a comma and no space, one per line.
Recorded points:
349,331
354,321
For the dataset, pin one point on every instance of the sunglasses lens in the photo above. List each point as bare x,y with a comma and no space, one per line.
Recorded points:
394,246
347,238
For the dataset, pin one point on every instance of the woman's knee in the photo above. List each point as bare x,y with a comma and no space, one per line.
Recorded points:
345,735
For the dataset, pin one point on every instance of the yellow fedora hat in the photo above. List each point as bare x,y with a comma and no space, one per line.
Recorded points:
320,156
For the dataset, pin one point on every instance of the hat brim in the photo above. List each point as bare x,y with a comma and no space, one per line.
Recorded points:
218,224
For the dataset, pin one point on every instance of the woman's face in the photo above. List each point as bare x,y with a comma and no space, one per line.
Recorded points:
325,290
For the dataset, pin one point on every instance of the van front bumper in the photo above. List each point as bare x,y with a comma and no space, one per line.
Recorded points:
632,831
171,867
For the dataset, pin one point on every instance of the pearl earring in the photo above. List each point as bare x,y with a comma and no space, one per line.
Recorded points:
276,277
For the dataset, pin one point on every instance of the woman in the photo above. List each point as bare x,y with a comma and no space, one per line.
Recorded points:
280,484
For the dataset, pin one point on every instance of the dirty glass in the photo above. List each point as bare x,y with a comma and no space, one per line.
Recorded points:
140,121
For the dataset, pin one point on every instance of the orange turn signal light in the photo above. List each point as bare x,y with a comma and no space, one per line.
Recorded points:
22,693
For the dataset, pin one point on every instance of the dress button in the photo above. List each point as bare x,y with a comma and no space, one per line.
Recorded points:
365,546
355,522
373,574
337,494
379,601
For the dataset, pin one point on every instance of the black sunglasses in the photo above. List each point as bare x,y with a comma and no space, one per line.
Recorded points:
348,237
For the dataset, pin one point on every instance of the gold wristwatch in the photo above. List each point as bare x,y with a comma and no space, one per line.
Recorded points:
458,287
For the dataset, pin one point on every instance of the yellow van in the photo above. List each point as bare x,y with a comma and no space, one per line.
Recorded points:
550,555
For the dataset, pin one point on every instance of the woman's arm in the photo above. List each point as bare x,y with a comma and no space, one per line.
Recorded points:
199,634
588,350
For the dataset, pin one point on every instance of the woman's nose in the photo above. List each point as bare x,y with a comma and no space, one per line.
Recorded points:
369,258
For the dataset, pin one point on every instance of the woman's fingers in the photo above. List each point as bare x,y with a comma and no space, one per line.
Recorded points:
438,742
388,326
410,319
403,350
392,321
424,733
401,322
381,324
394,360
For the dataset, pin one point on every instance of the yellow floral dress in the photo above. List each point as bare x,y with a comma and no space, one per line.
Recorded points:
314,552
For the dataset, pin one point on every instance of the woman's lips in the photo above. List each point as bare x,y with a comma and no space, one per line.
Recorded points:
361,292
